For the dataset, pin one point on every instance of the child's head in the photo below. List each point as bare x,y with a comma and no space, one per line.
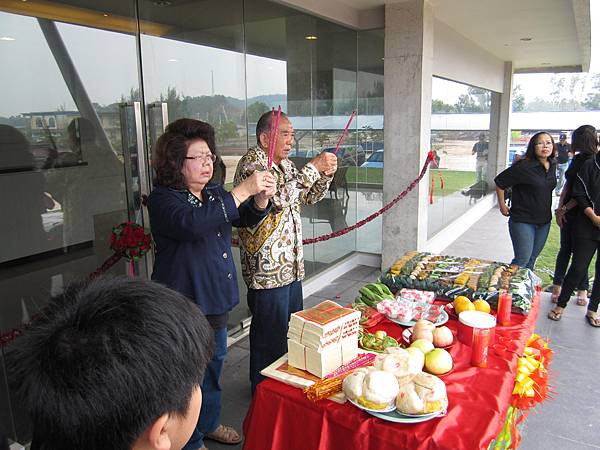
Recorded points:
114,363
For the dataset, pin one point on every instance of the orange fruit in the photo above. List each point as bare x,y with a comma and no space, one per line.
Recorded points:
482,305
462,303
461,299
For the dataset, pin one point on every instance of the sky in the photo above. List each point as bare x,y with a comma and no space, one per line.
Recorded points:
31,80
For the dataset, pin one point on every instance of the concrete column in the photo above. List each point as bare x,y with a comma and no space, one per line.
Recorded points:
500,126
407,73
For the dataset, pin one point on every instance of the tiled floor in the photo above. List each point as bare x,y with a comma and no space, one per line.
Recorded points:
571,420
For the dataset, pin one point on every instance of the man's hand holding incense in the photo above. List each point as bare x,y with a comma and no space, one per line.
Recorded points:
325,163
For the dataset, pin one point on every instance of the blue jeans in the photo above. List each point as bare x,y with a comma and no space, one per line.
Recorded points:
211,393
560,175
528,240
271,310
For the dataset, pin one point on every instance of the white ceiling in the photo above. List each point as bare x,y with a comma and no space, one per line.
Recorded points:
559,29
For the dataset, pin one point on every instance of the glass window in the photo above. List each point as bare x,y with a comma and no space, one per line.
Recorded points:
62,187
460,127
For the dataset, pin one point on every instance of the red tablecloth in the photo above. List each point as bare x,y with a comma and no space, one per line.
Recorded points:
282,418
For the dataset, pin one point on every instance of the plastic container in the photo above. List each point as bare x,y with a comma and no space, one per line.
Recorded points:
479,348
504,308
469,320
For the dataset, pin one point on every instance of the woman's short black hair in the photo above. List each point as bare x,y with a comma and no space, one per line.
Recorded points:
585,140
172,146
530,153
107,358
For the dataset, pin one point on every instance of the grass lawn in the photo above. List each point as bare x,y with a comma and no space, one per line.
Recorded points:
547,258
454,180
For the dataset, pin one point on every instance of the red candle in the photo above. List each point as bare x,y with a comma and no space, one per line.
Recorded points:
504,308
479,347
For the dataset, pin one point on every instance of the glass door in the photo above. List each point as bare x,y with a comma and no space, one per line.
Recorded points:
195,68
72,162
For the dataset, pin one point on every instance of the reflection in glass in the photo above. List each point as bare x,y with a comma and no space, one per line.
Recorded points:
460,140
61,169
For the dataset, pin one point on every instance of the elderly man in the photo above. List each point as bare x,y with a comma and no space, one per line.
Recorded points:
271,252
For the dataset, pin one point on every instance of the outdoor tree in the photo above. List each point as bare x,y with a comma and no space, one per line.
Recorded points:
518,100
592,101
255,110
226,130
483,98
439,106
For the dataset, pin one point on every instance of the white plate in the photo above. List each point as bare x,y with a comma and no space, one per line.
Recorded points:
442,319
390,408
395,416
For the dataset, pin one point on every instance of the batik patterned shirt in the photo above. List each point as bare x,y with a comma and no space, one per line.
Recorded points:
271,252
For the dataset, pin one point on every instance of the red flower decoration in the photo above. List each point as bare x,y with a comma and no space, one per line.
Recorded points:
130,240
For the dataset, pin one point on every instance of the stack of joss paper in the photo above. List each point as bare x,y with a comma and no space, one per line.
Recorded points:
322,338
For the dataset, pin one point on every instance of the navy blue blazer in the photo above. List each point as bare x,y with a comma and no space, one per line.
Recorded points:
193,244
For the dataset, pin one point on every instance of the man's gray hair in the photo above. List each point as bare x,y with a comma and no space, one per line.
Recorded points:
264,123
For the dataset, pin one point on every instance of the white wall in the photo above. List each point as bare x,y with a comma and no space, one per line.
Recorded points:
459,59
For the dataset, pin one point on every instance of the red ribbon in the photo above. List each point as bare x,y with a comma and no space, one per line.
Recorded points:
432,156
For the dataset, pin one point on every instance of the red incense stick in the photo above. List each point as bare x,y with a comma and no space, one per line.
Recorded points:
275,134
344,133
271,133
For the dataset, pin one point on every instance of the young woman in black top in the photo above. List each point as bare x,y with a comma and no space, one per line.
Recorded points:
586,243
584,142
532,181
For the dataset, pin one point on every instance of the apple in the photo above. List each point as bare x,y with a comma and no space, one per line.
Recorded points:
442,337
423,344
438,361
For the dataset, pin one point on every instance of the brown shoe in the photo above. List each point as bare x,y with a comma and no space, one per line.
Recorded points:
225,435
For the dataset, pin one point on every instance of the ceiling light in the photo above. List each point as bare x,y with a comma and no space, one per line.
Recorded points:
545,64
311,37
172,60
162,3
526,39
7,38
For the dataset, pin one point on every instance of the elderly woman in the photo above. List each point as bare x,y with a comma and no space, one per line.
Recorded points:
191,220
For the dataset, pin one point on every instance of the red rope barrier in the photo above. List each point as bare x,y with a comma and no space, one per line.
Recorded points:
6,338
391,204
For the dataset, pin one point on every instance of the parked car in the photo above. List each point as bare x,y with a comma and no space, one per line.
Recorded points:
375,161
350,155
515,150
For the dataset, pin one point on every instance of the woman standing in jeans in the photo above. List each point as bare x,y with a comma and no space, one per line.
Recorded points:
584,142
532,181
191,218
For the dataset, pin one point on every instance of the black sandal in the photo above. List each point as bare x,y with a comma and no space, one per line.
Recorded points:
593,321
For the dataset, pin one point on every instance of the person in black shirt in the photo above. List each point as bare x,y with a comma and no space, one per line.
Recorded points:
532,181
480,148
584,142
586,192
563,149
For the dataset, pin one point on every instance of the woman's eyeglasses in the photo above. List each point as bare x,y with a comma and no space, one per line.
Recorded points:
210,157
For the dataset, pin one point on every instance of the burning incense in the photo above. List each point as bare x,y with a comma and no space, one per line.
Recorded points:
344,133
275,134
